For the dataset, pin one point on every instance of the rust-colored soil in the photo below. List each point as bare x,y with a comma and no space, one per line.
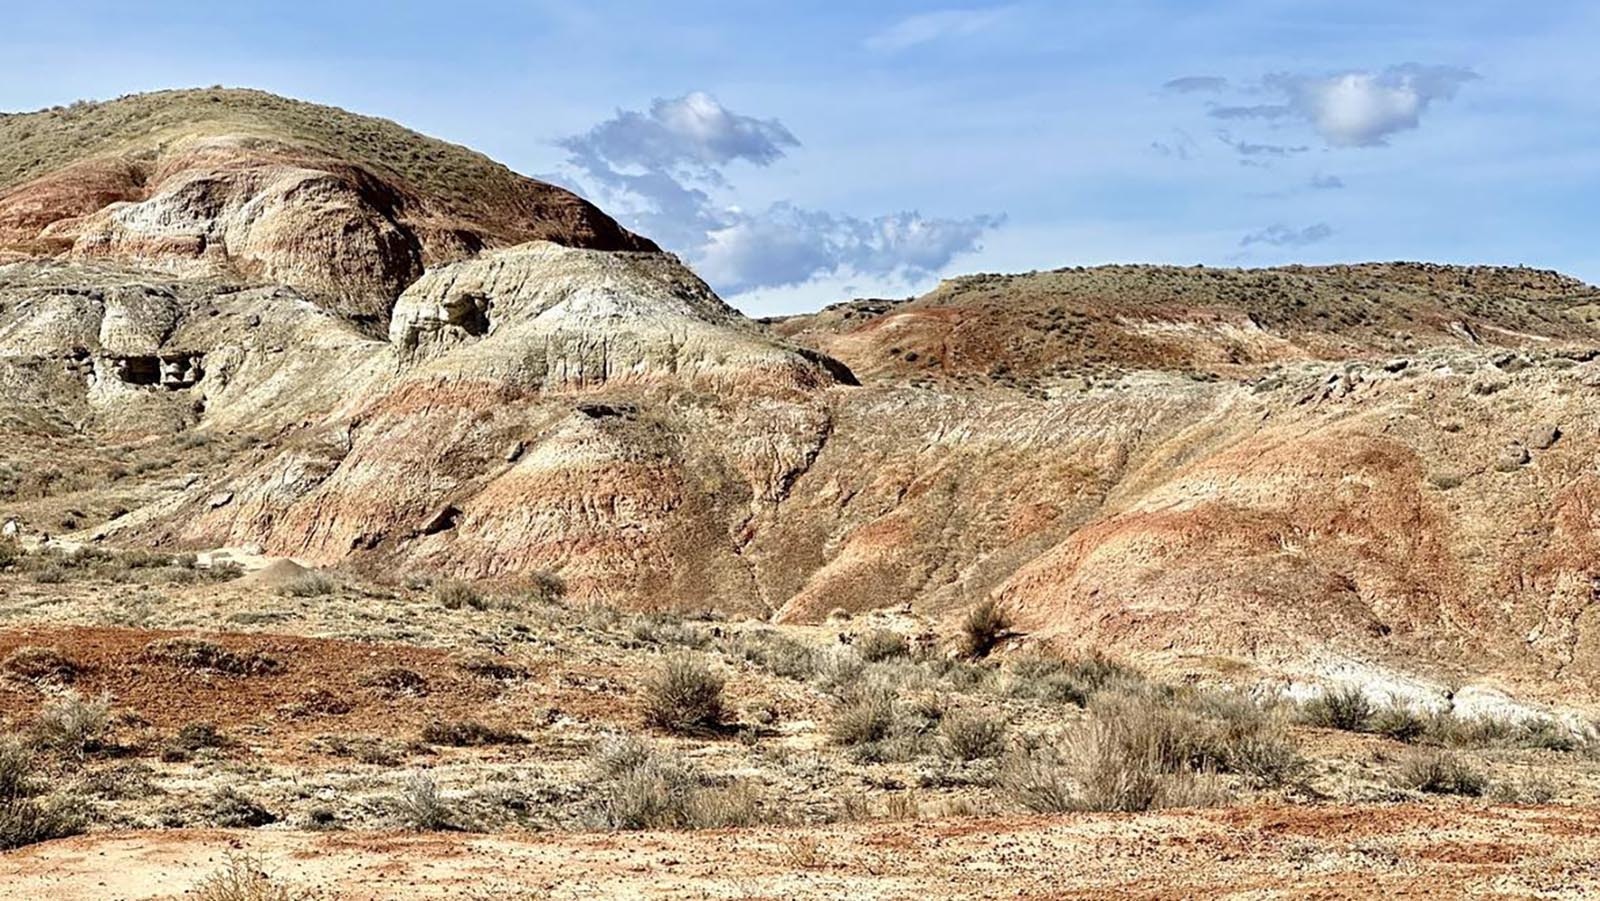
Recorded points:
322,686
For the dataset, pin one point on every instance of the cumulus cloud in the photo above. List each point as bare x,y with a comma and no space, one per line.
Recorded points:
1196,84
1284,236
787,245
1356,108
657,171
926,28
693,132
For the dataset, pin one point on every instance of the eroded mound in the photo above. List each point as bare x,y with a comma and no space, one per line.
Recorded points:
346,208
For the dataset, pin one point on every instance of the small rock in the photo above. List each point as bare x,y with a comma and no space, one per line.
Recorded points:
442,519
1514,457
1543,436
220,499
1398,365
514,452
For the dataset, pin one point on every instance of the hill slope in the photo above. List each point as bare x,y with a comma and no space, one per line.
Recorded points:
348,208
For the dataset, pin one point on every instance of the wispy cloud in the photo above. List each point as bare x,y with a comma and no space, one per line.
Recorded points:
1196,84
657,170
1284,236
1322,182
1248,148
925,28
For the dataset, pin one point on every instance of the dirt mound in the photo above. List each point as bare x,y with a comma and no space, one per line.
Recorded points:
277,574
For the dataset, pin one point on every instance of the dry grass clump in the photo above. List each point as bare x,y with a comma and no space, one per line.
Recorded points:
27,815
487,666
72,726
208,656
983,628
1350,710
775,652
1442,773
420,807
882,644
683,695
230,808
453,594
1398,722
36,664
869,714
1154,749
469,733
667,630
1346,708
309,584
244,878
1070,681
396,680
642,788
883,717
972,734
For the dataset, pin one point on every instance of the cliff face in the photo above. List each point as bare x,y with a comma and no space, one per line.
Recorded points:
1379,470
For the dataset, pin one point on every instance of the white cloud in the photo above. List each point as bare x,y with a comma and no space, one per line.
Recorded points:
928,27
786,245
1355,108
693,131
656,171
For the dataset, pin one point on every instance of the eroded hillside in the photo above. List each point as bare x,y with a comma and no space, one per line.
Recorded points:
1372,472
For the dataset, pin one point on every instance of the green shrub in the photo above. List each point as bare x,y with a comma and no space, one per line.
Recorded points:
683,695
1072,682
775,652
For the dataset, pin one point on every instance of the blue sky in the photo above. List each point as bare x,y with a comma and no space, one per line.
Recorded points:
802,153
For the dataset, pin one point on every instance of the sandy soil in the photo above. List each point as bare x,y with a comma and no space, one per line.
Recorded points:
1401,851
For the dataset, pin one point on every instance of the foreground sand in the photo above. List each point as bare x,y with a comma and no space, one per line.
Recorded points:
1394,851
